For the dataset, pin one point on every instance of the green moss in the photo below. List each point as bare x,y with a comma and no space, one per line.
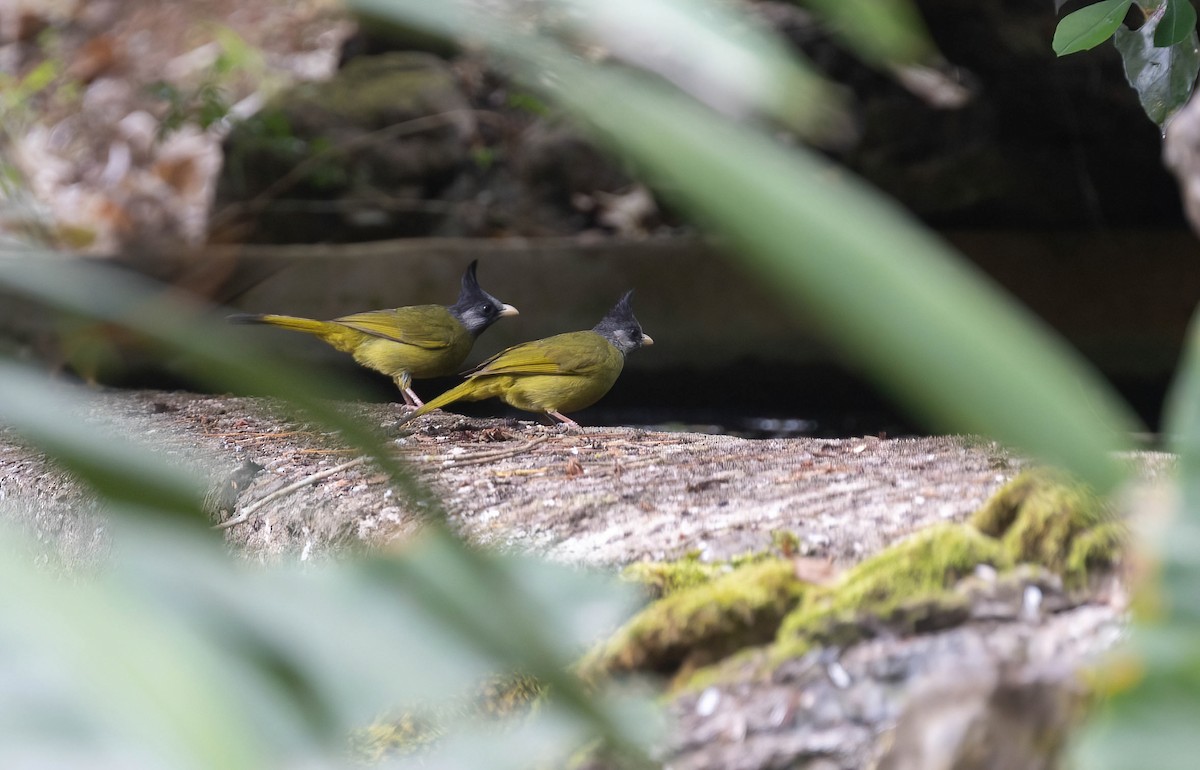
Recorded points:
785,541
703,623
1043,517
906,588
713,618
1098,548
663,578
749,661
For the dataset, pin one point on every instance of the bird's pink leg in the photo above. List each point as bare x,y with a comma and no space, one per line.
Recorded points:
562,418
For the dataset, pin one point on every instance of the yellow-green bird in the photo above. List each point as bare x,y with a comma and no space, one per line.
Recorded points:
563,373
405,343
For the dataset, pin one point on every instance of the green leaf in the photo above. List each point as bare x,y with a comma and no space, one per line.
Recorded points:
443,584
49,414
1181,422
888,31
745,70
1163,77
216,354
114,677
179,652
41,76
1150,721
1089,27
1177,24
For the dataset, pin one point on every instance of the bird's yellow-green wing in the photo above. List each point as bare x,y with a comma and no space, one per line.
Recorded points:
570,353
425,326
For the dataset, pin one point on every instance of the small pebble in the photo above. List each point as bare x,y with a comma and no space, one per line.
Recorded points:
838,675
707,703
1031,603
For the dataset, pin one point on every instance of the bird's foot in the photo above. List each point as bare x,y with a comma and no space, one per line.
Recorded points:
566,421
411,398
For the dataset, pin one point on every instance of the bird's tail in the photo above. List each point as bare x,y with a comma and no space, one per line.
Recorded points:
474,389
294,323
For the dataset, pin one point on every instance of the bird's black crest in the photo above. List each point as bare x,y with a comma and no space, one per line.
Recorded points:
470,283
475,308
623,310
620,327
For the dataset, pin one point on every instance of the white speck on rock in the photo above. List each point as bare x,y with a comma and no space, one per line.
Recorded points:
708,701
985,572
1031,603
838,675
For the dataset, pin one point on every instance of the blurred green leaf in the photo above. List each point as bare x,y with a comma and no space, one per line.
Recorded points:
1163,77
1177,25
51,415
217,354
125,683
1150,720
456,593
1152,724
887,31
744,69
1180,545
185,648
1089,27
546,742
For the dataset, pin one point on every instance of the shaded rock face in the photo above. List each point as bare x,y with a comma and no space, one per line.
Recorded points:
407,144
1038,141
361,156
1003,134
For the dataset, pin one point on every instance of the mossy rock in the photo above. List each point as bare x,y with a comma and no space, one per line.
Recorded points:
1054,527
697,625
907,588
663,578
1098,548
395,126
1044,517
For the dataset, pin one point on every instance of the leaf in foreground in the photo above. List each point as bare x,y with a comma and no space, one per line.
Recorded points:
1089,27
1163,77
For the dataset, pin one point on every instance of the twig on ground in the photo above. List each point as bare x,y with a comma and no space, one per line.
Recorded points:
278,493
483,457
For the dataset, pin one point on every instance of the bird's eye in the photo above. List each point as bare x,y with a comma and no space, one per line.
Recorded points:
635,332
486,308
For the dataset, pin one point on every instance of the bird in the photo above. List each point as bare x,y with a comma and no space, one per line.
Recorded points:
562,373
405,343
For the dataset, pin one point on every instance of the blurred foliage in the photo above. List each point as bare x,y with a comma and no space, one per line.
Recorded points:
47,85
170,654
1149,716
44,88
1162,73
1161,53
207,101
889,32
